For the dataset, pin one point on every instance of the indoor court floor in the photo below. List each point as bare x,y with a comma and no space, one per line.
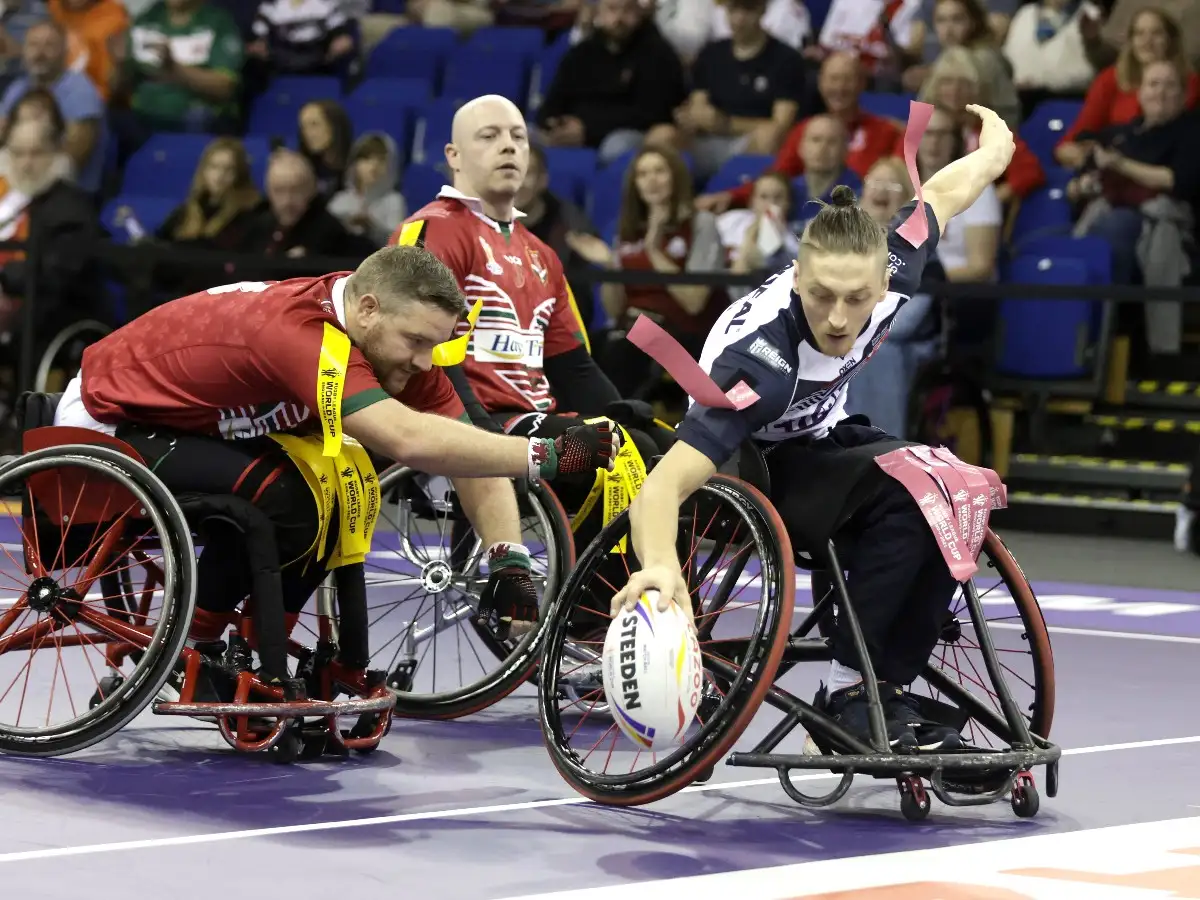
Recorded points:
474,810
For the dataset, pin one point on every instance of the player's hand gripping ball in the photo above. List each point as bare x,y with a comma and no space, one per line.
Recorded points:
653,674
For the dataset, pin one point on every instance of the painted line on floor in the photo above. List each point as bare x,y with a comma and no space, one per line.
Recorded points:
1100,632
222,836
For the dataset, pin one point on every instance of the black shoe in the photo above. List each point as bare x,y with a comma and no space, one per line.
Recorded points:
931,735
849,707
214,682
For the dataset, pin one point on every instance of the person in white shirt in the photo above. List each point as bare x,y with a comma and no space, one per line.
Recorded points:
1045,46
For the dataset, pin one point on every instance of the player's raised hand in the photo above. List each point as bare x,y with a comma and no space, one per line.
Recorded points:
577,451
995,135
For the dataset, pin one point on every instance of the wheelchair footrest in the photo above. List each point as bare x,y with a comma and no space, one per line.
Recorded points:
948,762
294,709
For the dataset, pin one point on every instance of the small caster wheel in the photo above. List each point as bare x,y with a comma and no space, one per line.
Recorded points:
704,775
107,686
1025,799
289,746
914,800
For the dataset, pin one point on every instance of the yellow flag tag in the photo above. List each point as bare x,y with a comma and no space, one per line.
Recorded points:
453,352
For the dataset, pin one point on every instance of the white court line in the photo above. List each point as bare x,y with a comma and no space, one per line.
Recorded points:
221,836
1100,632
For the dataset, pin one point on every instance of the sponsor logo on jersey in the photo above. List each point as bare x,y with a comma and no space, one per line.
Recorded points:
510,345
895,264
767,352
535,263
492,265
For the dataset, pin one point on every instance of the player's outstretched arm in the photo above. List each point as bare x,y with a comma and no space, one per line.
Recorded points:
440,446
654,523
953,189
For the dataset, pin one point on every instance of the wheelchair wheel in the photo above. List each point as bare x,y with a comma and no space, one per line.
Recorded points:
1018,631
66,349
97,611
738,563
425,573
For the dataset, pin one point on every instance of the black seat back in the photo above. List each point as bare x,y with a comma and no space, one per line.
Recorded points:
36,410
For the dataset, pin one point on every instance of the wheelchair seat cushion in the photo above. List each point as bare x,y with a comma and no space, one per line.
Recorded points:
36,410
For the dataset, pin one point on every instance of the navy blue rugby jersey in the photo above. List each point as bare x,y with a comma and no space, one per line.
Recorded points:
764,340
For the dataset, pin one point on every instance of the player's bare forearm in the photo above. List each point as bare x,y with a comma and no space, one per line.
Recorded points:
654,513
437,445
491,508
953,189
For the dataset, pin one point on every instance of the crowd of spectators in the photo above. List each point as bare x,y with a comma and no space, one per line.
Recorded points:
672,91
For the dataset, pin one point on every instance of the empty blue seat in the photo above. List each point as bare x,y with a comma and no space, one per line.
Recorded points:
526,41
892,106
136,212
571,172
389,105
1046,339
1045,126
432,132
277,110
604,203
471,73
164,165
424,61
259,151
1094,252
737,170
1045,211
421,184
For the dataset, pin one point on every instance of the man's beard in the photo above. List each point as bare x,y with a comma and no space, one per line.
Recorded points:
392,379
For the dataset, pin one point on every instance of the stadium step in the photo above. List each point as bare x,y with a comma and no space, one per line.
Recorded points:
1097,472
1173,395
1091,513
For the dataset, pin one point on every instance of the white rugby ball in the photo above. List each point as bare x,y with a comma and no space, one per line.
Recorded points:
652,674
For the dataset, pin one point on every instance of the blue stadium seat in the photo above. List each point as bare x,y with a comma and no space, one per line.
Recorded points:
892,106
736,171
389,105
1046,339
164,165
1094,252
1045,211
259,151
1045,126
817,11
433,132
150,213
571,172
605,198
391,7
471,73
399,55
421,185
277,110
526,41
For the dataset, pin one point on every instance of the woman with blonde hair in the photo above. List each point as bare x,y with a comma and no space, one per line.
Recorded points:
954,82
658,230
1112,98
220,200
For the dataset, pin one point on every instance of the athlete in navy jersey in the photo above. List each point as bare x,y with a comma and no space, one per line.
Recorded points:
797,341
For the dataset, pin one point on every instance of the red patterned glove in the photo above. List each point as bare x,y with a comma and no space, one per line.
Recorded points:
578,450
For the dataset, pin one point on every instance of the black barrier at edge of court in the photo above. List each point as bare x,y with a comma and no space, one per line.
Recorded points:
250,266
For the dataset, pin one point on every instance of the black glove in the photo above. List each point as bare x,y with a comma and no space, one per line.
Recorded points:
509,597
578,450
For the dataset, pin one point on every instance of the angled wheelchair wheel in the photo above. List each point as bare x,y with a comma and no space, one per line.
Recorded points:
99,570
424,575
66,349
738,561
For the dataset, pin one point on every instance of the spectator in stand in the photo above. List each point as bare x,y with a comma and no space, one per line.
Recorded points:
746,91
1115,29
462,15
953,84
872,137
38,105
370,205
881,390
16,18
296,222
325,138
659,231
181,71
96,31
45,57
964,23
823,152
221,202
924,42
1047,45
551,219
1143,195
874,31
39,204
1113,97
616,88
970,244
309,37
787,21
760,237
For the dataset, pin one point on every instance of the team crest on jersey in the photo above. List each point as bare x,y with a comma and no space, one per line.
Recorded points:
492,265
535,263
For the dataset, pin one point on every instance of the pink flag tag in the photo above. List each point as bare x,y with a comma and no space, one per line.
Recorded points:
670,354
915,229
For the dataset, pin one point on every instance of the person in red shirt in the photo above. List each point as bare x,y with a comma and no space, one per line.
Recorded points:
872,137
1113,97
197,386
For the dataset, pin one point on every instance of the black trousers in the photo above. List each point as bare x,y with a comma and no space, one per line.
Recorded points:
258,471
896,577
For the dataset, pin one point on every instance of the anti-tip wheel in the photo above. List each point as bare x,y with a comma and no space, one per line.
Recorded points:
289,746
914,800
1025,799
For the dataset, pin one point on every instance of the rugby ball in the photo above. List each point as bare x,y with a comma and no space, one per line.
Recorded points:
652,674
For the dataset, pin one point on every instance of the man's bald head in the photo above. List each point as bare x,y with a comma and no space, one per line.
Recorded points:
291,186
489,151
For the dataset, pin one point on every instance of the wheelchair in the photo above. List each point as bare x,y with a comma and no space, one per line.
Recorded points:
741,566
103,593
